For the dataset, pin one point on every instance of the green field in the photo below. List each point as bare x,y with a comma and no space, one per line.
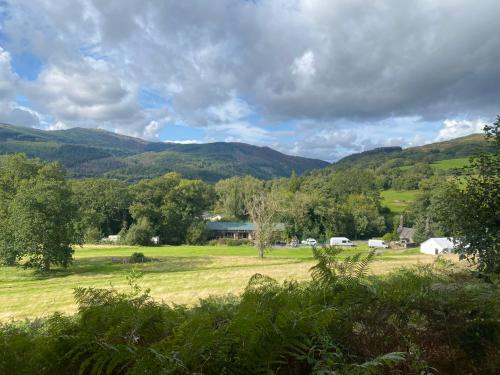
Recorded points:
443,165
398,200
181,274
450,164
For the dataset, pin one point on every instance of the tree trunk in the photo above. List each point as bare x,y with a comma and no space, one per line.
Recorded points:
46,264
261,252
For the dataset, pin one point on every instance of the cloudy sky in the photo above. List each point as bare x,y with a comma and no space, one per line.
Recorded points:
314,78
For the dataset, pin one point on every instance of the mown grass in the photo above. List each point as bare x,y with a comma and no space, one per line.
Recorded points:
180,274
398,200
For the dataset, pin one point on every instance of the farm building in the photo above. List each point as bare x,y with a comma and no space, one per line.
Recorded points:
405,234
435,246
235,230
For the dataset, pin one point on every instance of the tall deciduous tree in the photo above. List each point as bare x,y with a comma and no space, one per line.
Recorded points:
263,211
171,204
103,206
472,210
42,219
182,206
233,193
13,170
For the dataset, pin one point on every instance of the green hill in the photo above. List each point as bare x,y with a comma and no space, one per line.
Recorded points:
434,153
95,152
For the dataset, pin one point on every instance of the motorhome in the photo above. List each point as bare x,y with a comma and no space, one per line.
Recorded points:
340,241
378,244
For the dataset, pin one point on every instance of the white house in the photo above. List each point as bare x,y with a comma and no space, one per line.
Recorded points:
435,246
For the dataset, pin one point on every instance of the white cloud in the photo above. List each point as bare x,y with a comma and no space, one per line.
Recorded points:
89,90
7,77
151,130
94,94
231,110
418,140
185,142
58,125
241,131
304,65
11,113
324,143
459,128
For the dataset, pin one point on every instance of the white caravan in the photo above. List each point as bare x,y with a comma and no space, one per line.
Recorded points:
340,241
378,244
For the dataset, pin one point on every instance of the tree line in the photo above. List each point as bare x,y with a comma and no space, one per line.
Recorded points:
42,213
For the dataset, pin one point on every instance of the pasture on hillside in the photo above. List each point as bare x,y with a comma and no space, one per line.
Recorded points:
398,200
451,164
180,274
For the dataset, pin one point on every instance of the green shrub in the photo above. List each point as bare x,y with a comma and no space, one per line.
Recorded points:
390,236
197,233
92,235
139,258
140,233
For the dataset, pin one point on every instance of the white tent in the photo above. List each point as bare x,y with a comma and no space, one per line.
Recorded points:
435,246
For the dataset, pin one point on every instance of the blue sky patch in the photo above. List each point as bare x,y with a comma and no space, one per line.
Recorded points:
26,65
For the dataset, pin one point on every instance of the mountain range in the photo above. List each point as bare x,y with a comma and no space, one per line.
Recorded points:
95,152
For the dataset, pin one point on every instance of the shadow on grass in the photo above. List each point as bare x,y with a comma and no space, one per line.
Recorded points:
104,265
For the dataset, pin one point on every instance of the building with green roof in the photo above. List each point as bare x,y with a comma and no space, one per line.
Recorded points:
235,229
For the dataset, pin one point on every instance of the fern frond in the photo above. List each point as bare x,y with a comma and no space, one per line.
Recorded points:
330,270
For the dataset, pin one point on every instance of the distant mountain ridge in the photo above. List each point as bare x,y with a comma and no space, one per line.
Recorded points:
95,152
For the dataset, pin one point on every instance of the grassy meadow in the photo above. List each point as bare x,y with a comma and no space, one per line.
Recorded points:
180,274
451,164
398,200
444,165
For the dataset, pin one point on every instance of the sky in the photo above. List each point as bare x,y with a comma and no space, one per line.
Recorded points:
314,78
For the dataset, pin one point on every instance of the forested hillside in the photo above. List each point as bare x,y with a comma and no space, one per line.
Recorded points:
95,152
389,157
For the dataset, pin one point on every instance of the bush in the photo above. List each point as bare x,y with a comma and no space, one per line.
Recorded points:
139,233
390,236
92,235
229,242
197,233
138,258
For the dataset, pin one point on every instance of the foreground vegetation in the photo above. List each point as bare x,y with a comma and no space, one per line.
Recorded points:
417,320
